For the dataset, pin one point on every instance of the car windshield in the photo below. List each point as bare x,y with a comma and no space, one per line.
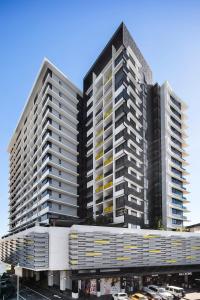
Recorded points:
161,290
122,295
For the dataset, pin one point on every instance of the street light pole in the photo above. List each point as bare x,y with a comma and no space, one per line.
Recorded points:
17,271
17,287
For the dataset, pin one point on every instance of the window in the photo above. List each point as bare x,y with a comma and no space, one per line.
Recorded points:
60,150
60,172
60,196
60,139
59,206
59,161
60,127
60,117
60,184
60,94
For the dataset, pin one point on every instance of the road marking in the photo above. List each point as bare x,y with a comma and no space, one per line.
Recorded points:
37,293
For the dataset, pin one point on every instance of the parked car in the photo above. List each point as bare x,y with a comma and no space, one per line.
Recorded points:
177,292
160,291
151,295
138,296
120,296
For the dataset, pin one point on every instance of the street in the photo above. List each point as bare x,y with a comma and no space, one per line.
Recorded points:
29,294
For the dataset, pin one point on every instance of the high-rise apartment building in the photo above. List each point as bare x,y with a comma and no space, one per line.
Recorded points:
115,170
173,157
124,174
116,156
167,158
43,154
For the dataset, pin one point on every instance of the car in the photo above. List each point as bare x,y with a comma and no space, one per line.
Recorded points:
151,295
160,291
120,296
177,292
138,296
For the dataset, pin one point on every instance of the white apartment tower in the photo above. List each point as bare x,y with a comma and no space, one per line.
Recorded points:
173,158
43,154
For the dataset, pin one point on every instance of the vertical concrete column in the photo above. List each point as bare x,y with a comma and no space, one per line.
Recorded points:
50,278
63,277
37,276
68,280
186,280
140,282
98,288
31,274
75,289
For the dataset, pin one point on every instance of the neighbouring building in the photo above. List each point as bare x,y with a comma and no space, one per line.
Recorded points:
193,227
43,154
167,158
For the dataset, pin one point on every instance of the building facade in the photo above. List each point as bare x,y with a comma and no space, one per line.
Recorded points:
101,260
43,154
174,158
114,173
132,166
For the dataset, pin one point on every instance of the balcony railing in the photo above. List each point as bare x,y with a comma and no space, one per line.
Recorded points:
108,161
100,154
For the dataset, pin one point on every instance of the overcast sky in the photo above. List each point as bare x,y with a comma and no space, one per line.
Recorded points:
72,33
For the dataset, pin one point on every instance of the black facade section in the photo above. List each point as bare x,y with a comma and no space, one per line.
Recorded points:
82,167
154,157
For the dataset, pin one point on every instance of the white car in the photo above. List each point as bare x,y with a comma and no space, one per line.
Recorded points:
151,293
120,296
161,292
177,292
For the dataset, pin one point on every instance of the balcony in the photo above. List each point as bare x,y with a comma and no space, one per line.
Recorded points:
108,161
99,143
99,155
108,209
99,177
108,185
107,113
99,133
99,189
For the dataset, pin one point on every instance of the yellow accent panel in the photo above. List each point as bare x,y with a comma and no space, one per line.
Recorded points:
190,257
73,236
99,144
99,177
108,209
196,247
107,161
93,253
74,262
30,257
176,243
171,260
99,132
130,247
107,113
100,188
99,154
107,185
102,242
123,258
155,251
150,236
